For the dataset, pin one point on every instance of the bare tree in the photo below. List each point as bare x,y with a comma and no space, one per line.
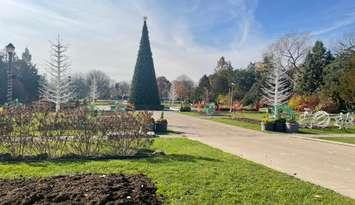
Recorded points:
57,88
82,89
290,51
164,87
183,87
102,83
222,64
346,44
120,89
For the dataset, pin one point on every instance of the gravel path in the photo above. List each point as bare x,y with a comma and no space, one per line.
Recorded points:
329,165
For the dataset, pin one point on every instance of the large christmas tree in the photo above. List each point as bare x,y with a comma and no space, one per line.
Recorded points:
144,90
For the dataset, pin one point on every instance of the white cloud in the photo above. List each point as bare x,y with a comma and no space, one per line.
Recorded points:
105,34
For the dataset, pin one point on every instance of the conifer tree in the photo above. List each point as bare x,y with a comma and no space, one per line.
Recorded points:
144,90
311,75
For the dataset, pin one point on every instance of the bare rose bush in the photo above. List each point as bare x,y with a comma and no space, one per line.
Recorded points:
35,131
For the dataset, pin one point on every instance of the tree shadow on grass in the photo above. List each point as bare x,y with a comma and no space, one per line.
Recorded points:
179,157
147,155
170,132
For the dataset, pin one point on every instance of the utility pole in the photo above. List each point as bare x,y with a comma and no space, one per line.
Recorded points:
231,97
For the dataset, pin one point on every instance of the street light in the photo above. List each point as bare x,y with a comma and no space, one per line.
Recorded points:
231,97
10,49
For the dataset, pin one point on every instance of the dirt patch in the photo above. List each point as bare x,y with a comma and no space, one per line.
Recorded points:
80,189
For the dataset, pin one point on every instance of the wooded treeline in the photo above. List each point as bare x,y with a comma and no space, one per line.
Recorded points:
27,81
319,77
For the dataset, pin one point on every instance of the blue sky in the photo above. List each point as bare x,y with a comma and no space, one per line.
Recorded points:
187,36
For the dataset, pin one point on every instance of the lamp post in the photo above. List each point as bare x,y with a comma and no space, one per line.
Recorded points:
231,97
10,49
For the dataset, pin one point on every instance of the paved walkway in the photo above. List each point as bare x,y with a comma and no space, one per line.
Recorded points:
326,164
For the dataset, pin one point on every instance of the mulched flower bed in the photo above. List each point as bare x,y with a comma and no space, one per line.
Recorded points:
80,189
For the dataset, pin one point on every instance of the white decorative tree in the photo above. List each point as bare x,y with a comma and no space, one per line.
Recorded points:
57,88
172,93
277,88
94,93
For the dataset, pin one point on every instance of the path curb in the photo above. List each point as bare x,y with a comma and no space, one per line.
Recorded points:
325,141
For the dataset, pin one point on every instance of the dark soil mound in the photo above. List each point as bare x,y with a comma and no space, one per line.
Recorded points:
80,189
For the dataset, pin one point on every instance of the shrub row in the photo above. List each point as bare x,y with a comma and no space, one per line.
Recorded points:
29,132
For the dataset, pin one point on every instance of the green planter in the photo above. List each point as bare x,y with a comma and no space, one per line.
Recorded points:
280,127
269,126
151,125
292,127
161,126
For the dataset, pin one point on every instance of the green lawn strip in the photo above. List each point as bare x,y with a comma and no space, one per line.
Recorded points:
194,173
238,123
169,104
225,120
350,140
328,130
252,115
106,102
258,115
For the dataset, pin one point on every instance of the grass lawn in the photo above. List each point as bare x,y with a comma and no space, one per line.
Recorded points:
315,131
194,173
105,102
238,123
350,140
252,115
259,116
330,130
